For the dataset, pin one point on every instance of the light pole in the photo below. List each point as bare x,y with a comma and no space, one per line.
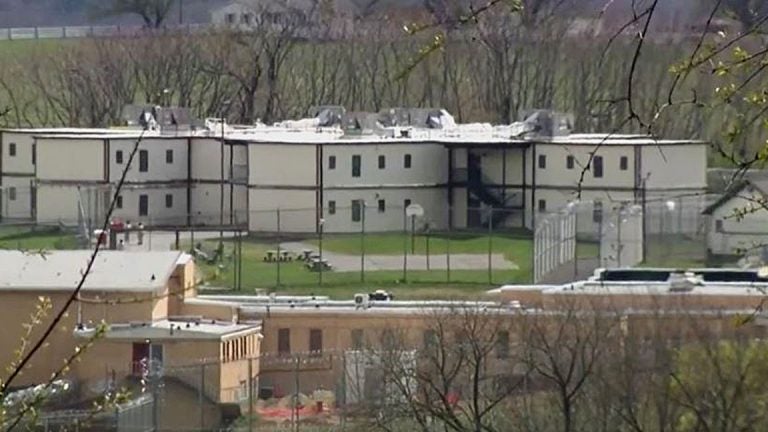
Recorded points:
320,245
362,244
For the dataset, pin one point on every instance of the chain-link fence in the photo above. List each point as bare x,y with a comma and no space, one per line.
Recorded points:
371,246
585,235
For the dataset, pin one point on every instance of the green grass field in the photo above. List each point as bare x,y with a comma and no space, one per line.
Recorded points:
26,238
295,279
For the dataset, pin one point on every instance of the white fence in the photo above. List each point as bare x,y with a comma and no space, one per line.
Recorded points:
67,32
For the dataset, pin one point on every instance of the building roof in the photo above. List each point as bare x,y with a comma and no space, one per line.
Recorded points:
112,270
176,329
760,185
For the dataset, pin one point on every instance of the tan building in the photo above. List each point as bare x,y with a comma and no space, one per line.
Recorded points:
138,297
738,221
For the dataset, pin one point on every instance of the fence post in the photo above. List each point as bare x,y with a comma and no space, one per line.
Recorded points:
200,397
490,246
250,394
405,245
362,244
448,256
278,247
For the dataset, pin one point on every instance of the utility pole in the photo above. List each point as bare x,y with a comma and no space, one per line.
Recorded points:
320,245
362,245
278,247
405,245
181,12
490,246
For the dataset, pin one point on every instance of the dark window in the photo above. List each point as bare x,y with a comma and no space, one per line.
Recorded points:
623,163
407,161
357,339
246,18
284,341
315,341
542,161
569,162
230,18
34,154
331,207
382,206
143,161
143,205
119,201
542,205
168,200
12,149
406,203
719,225
597,169
502,345
169,156
356,165
597,212
331,162
357,210
119,157
382,162
12,193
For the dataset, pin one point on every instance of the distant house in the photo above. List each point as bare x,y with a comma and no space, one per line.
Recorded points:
739,219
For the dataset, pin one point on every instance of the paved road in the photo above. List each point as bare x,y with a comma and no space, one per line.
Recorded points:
345,262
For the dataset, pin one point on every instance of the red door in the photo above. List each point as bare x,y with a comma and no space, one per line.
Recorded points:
140,352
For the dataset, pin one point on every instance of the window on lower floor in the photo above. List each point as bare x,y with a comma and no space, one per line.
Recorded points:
331,207
569,162
169,156
623,163
119,157
143,205
119,201
12,149
542,205
331,162
597,212
168,201
542,161
382,162
407,160
284,341
12,193
406,203
719,225
382,206
315,341
357,210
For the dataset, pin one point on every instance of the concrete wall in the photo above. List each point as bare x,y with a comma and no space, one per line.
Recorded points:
282,165
84,157
16,197
158,169
297,210
557,174
429,164
675,167
22,162
158,213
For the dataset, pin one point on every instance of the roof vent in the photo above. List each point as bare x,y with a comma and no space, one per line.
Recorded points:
683,282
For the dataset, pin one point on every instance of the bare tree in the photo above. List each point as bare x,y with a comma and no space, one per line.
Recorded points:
152,12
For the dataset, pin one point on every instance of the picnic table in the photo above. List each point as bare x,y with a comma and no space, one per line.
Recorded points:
306,254
285,255
316,265
270,255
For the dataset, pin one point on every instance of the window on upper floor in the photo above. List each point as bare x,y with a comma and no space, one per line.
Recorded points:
284,341
119,157
569,162
143,161
246,18
356,165
623,163
230,18
597,166
34,154
12,149
407,161
169,156
719,225
382,162
542,161
331,162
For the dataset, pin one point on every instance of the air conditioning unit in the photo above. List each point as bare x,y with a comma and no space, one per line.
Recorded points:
361,301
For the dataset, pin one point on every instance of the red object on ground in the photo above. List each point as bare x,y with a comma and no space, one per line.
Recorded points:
452,398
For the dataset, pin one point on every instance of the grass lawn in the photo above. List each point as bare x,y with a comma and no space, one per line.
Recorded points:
295,279
675,251
26,238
